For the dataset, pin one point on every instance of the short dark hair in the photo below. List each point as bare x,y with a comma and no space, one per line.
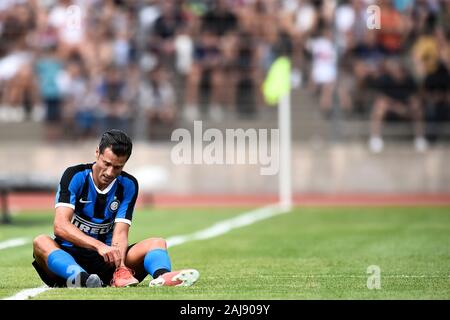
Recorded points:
118,141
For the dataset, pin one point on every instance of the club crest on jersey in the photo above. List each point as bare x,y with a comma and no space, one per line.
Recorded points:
114,205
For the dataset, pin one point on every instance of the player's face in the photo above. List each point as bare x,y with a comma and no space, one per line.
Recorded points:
108,166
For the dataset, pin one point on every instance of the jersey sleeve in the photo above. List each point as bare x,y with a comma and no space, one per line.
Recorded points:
69,186
126,207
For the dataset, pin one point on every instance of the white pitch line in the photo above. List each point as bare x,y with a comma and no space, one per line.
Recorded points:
215,230
225,226
13,243
394,276
28,293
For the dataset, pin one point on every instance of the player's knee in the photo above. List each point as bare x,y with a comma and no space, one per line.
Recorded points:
39,241
156,243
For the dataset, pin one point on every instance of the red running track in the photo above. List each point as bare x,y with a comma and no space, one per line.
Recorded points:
30,201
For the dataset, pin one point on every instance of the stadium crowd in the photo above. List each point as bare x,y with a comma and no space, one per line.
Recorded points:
86,65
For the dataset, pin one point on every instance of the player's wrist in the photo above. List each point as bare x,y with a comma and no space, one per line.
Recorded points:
98,245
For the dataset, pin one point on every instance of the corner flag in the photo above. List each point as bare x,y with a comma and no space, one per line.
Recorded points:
277,90
278,80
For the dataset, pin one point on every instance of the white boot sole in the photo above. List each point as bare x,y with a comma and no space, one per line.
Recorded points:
187,277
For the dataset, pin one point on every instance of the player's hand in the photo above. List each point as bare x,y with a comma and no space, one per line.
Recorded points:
110,254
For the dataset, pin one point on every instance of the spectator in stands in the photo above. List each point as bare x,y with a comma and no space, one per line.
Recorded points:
49,69
366,59
425,51
430,53
258,23
443,41
324,67
443,15
214,56
170,22
81,100
436,86
20,92
206,66
422,12
157,97
114,100
19,86
69,21
244,92
397,99
87,113
393,35
220,20
437,98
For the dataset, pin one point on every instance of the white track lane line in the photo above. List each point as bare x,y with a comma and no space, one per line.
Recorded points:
28,293
225,226
14,243
215,230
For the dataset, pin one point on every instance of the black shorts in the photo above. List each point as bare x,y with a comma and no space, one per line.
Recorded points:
90,261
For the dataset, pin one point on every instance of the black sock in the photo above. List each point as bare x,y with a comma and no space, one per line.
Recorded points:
83,276
159,272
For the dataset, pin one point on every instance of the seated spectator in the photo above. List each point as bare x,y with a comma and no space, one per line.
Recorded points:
430,54
397,99
113,91
87,112
425,52
437,98
220,20
207,65
392,36
258,36
365,58
214,58
17,80
82,102
67,20
49,69
19,84
245,76
157,97
170,22
324,67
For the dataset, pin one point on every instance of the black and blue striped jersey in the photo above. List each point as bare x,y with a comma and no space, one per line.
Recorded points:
96,211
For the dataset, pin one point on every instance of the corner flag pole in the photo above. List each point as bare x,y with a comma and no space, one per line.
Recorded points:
277,90
285,176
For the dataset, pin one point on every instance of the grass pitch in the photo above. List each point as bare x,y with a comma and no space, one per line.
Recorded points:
310,253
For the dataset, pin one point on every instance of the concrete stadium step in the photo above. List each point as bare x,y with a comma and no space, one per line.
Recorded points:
21,131
361,129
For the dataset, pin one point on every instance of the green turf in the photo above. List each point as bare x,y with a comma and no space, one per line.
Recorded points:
310,253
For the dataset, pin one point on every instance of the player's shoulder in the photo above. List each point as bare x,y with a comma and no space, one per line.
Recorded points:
127,178
73,170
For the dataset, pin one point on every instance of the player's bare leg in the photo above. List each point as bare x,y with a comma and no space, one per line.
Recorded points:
43,245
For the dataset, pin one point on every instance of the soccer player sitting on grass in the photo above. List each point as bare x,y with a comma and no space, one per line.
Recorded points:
94,209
